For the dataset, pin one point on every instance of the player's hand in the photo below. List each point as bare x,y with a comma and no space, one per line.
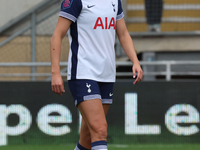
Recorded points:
137,70
57,84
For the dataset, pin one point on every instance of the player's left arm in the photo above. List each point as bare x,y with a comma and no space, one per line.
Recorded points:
128,47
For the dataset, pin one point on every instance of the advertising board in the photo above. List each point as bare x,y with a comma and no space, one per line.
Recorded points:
149,112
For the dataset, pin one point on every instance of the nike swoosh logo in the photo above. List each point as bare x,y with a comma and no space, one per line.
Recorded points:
111,94
88,6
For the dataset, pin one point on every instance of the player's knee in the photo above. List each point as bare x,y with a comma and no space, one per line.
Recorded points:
101,131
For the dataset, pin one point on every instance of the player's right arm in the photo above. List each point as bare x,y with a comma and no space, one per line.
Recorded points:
61,29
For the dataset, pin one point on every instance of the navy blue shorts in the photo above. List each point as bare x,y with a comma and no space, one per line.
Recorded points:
83,90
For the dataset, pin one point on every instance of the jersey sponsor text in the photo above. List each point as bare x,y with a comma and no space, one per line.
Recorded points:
99,23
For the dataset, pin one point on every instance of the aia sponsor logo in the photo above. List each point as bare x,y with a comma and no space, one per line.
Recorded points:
67,3
108,24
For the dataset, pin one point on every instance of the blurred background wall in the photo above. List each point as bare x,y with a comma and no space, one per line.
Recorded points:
10,9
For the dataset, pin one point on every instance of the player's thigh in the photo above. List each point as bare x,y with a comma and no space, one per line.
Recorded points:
93,113
84,127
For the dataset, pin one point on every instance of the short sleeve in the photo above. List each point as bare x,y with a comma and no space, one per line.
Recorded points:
120,13
71,9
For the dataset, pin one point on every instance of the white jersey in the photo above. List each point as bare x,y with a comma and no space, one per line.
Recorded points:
92,38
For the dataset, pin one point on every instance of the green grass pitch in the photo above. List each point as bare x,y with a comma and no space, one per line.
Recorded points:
110,147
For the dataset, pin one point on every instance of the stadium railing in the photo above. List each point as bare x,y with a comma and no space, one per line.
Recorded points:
167,72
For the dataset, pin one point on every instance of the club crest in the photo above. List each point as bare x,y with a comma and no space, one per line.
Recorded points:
88,86
67,3
113,6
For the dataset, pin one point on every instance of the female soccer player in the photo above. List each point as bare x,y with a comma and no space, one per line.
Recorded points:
91,27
